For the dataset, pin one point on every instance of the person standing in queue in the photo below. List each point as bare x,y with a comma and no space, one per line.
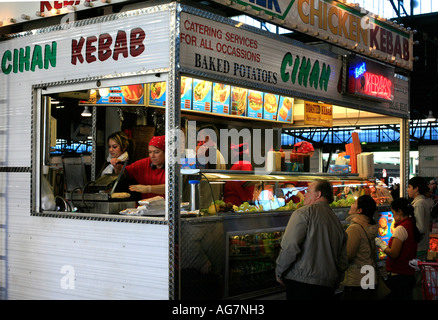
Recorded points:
361,250
417,190
401,248
149,173
313,255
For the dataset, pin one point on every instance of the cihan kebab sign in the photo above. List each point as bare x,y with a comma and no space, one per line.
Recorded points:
348,26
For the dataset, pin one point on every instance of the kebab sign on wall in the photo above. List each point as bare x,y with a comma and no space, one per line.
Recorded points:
225,50
129,44
339,23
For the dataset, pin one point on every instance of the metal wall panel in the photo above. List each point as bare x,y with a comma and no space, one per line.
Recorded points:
61,258
47,258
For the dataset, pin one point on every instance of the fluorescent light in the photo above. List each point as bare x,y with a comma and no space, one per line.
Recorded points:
430,117
86,112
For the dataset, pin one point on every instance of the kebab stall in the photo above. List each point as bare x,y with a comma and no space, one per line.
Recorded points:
199,68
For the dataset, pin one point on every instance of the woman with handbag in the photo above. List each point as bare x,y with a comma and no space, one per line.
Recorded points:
361,276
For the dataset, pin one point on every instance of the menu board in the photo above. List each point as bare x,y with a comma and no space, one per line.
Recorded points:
221,98
201,95
255,104
157,94
386,228
285,109
132,94
270,106
186,93
238,101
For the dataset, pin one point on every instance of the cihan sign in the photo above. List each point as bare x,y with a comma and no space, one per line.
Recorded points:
348,26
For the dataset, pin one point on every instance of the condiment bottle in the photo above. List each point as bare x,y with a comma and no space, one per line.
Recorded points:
283,160
270,163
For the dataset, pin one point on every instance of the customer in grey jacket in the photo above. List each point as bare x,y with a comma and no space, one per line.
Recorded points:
313,256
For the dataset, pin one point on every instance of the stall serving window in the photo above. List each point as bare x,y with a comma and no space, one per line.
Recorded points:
92,147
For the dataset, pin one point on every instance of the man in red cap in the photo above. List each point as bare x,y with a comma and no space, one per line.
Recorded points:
149,172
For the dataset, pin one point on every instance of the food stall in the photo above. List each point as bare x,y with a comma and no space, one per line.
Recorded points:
168,69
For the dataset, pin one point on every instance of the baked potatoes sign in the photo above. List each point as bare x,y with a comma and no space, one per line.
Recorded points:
220,49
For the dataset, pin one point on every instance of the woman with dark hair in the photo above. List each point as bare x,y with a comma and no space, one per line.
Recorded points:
401,248
361,250
120,148
417,190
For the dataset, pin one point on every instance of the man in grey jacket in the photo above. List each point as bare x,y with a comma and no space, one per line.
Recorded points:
313,256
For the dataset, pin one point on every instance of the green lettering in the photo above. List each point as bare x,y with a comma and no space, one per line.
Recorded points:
50,55
37,58
314,75
24,59
15,61
7,56
287,61
295,70
325,77
304,71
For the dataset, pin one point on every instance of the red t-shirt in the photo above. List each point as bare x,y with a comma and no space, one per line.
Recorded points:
234,191
143,172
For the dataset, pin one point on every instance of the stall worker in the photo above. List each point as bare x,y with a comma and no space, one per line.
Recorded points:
207,143
119,150
149,173
238,192
292,193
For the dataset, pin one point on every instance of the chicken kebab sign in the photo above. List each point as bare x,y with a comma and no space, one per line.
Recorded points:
230,51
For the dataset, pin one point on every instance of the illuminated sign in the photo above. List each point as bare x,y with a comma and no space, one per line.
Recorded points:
370,79
318,114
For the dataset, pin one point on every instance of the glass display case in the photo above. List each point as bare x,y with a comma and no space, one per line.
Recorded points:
251,261
250,191
247,234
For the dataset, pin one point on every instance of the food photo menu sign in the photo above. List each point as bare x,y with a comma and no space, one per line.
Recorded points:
386,228
132,94
201,95
255,104
221,98
157,94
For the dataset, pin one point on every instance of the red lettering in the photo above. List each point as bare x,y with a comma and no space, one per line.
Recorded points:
405,49
136,45
383,40
389,44
105,42
121,45
47,6
373,37
103,46
76,49
90,49
397,47
57,4
377,86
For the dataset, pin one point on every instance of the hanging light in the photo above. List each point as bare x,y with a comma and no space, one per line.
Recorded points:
357,129
86,112
430,117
